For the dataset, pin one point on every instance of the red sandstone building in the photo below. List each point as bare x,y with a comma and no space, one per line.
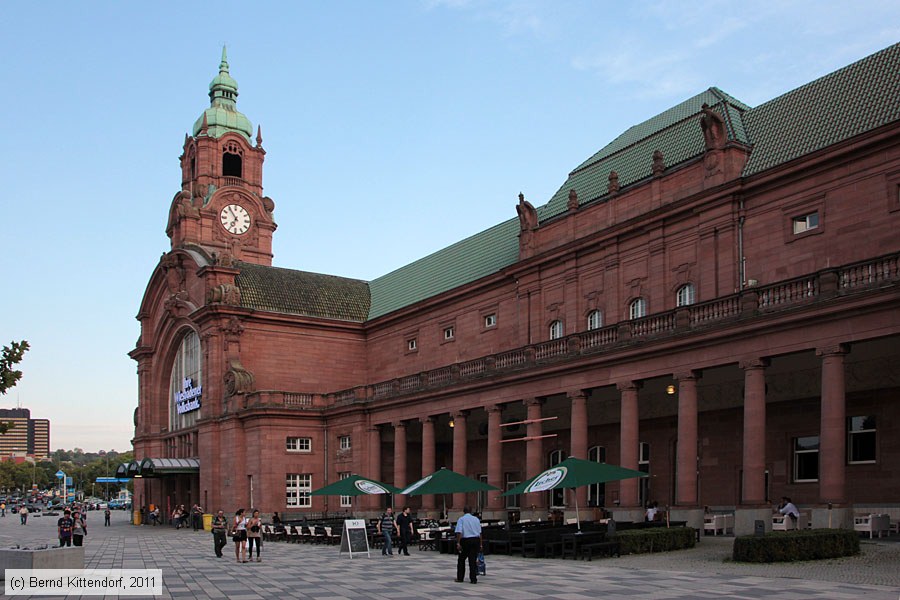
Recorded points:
711,298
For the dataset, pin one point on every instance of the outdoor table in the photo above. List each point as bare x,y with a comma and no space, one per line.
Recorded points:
572,541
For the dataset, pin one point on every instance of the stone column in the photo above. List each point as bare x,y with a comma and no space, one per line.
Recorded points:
427,458
495,457
686,453
832,430
628,441
375,464
460,456
400,454
579,435
534,453
754,462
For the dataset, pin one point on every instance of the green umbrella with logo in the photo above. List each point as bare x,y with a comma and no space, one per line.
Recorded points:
573,473
355,485
445,481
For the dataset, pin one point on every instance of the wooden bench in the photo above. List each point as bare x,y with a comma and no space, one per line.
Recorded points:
588,551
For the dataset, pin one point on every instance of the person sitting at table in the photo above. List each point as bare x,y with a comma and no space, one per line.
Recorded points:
789,508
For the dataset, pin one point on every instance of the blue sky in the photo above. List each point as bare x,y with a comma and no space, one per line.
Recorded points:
392,129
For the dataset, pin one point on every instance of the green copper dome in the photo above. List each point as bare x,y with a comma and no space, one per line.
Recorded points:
222,115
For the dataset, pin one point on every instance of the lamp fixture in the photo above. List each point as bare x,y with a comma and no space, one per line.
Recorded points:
452,423
670,389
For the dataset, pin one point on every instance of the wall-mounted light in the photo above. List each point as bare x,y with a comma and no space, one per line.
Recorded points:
452,423
670,389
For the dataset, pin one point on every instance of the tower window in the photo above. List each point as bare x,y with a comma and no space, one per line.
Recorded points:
231,165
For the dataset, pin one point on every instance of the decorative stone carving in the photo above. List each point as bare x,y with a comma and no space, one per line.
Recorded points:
528,222
268,204
613,187
174,270
572,204
238,380
713,126
659,164
233,327
226,293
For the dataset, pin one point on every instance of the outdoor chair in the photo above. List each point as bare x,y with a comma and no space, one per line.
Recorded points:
427,540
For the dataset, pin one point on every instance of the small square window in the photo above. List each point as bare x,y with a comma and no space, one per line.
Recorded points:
411,345
490,320
344,442
804,223
448,332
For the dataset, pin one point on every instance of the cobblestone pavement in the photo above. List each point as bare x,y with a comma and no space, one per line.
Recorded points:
191,570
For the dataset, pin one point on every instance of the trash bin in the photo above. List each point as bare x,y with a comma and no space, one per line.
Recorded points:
207,522
137,517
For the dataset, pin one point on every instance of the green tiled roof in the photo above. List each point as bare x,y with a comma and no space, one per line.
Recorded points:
858,98
675,132
470,259
302,293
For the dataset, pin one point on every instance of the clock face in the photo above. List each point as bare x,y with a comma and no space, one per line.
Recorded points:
235,219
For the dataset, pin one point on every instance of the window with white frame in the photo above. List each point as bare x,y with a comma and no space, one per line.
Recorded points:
644,454
806,222
298,444
344,442
411,345
556,329
297,489
597,491
449,333
806,458
595,319
557,495
490,320
861,439
512,480
637,308
685,295
346,501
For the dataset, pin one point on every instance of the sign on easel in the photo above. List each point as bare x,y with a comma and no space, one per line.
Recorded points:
355,538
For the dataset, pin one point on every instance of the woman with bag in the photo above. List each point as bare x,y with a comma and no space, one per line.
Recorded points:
79,528
254,535
239,535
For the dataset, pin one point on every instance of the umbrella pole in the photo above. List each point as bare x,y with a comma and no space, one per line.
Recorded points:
577,519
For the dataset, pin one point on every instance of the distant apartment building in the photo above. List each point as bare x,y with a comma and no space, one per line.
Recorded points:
27,437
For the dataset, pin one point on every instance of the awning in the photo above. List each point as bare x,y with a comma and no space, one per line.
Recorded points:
158,467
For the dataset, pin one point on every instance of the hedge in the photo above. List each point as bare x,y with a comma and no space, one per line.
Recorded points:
655,539
787,546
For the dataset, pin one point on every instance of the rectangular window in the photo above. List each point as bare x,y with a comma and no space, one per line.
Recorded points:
411,345
806,458
346,501
297,489
490,320
511,482
448,333
644,454
861,439
344,442
805,222
298,444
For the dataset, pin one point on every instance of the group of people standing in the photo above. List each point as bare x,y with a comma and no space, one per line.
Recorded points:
71,528
245,532
181,515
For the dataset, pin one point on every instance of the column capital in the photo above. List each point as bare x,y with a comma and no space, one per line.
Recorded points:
753,363
494,408
459,414
399,425
533,401
832,350
687,375
629,386
577,394
428,419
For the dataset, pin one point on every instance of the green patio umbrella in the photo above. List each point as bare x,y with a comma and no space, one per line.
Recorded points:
445,481
572,473
355,485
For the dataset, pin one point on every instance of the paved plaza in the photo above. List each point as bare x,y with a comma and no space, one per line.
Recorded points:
191,570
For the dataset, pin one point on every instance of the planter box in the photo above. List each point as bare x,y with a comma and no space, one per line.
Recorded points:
49,558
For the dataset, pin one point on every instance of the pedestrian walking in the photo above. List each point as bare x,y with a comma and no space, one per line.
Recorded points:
219,531
64,528
23,515
405,530
468,545
254,535
106,516
239,535
386,526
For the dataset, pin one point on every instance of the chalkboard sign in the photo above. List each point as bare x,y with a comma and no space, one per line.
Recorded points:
354,538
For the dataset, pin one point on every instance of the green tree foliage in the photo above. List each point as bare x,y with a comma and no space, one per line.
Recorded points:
10,357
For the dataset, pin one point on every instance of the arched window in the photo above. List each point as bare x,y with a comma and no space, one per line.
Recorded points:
595,320
685,295
232,165
556,330
637,308
186,383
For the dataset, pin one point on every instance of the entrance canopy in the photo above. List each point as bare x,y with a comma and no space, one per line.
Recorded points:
158,467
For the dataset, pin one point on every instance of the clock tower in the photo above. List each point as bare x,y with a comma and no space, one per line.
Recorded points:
221,206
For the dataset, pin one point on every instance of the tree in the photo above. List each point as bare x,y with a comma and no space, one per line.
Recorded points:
10,357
